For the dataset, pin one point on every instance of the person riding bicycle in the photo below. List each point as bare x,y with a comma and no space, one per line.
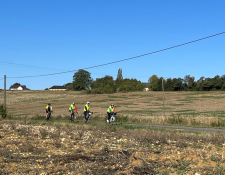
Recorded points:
48,109
86,110
111,110
72,108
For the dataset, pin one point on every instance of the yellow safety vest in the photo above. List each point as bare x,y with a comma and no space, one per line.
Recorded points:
86,107
110,109
72,107
48,107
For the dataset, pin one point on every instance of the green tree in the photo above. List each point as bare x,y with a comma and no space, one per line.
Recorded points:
157,85
69,86
129,85
168,85
223,81
217,82
119,78
189,82
152,80
104,85
82,80
177,84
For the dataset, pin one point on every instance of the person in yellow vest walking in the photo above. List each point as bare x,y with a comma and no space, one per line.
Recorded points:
111,110
86,111
48,109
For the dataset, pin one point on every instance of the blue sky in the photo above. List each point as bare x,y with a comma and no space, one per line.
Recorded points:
51,36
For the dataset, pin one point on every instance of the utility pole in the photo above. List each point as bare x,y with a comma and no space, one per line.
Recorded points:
5,92
163,98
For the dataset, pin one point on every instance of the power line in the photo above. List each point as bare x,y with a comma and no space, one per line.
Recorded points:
28,66
127,58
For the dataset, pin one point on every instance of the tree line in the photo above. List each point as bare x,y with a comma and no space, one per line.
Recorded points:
82,81
187,83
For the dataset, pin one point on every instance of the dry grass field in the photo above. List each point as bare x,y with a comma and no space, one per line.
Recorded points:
147,106
30,146
31,103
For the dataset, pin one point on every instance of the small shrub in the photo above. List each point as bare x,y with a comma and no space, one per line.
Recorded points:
3,111
122,119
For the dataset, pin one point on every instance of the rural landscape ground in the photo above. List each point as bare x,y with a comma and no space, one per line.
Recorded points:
31,145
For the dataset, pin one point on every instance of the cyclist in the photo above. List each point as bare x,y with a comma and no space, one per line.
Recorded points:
72,108
86,111
111,110
48,109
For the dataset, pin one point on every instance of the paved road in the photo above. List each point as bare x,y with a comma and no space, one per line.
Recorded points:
180,128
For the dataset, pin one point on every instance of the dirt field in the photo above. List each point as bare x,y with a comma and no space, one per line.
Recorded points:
133,104
106,150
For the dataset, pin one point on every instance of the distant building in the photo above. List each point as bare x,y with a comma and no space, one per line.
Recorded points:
18,87
145,87
57,88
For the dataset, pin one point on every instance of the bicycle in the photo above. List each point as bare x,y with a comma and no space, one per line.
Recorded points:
112,119
88,117
72,117
49,116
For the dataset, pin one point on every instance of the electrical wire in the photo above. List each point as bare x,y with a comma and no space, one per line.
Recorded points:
28,66
126,58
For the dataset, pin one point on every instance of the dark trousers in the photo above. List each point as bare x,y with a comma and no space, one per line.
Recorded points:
109,115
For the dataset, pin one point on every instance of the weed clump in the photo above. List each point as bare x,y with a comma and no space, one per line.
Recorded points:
3,111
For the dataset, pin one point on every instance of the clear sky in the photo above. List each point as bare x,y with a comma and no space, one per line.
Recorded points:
52,36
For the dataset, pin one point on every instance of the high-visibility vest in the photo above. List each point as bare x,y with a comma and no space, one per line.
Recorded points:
111,109
49,107
73,107
86,107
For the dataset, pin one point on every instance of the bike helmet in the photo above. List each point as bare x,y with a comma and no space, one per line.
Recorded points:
112,104
73,103
88,102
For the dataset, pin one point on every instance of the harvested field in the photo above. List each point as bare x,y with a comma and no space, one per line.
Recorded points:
133,104
85,149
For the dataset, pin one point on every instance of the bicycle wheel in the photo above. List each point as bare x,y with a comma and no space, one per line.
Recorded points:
49,116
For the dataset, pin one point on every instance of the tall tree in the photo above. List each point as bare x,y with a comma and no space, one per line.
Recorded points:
119,78
189,82
152,80
177,84
168,85
82,80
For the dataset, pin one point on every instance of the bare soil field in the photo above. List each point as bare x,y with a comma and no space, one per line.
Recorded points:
106,150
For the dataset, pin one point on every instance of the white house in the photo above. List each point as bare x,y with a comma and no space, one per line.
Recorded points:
18,87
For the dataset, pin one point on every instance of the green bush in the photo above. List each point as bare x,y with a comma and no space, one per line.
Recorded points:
3,111
122,119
